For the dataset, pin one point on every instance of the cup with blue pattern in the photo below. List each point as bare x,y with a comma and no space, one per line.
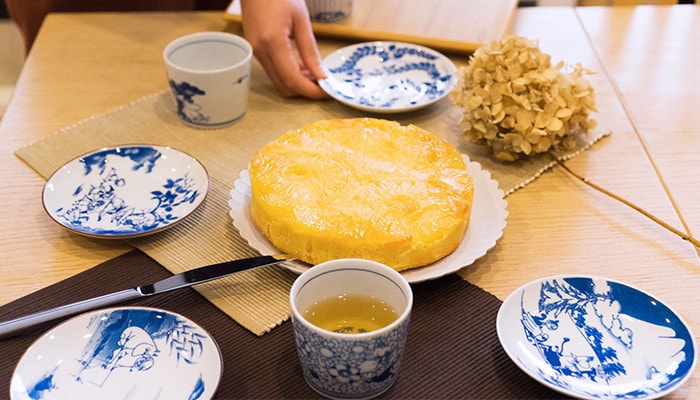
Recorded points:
343,362
209,76
329,11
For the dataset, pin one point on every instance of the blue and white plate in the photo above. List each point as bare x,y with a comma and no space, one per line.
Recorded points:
388,77
127,191
593,338
120,353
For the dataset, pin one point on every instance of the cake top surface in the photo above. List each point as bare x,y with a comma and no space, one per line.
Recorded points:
364,179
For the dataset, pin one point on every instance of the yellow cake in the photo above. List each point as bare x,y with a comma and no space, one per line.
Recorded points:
364,188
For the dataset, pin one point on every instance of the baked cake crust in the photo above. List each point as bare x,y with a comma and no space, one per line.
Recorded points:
364,188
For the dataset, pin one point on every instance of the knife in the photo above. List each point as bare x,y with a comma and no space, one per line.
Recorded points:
184,279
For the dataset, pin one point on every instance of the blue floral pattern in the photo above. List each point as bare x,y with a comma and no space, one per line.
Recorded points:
104,203
389,76
361,368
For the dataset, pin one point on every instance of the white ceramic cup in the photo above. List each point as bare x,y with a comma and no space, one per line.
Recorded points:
329,11
357,365
209,74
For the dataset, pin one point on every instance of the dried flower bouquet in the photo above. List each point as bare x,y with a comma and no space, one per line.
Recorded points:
518,104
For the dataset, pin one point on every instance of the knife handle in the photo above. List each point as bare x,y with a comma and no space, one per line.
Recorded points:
18,325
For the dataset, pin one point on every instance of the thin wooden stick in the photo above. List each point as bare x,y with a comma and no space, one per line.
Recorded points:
683,235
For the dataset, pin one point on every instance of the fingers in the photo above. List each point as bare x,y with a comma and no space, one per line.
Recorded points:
307,47
292,79
266,57
270,28
289,76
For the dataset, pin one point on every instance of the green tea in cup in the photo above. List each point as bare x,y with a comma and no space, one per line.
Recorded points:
350,313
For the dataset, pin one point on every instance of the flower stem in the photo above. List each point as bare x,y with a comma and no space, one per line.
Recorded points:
683,235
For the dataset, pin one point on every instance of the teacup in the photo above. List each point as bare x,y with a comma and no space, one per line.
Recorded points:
350,365
209,74
329,11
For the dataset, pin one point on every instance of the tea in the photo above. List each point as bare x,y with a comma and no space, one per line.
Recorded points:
350,313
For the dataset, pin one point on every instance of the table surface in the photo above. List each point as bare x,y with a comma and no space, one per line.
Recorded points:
646,83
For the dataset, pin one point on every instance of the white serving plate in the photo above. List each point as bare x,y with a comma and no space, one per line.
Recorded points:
388,77
488,218
593,338
120,353
126,191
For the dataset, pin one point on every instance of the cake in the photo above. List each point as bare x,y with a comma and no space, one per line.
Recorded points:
361,188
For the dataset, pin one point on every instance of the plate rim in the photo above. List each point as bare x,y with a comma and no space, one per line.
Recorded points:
206,186
387,110
61,325
501,327
413,275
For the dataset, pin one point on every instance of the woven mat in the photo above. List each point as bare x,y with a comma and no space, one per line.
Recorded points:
452,349
256,299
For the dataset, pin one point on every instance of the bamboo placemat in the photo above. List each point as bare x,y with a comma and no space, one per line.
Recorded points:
256,299
452,349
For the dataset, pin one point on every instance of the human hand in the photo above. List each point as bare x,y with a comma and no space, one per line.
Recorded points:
270,26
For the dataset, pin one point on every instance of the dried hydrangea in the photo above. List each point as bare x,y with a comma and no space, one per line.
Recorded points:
518,104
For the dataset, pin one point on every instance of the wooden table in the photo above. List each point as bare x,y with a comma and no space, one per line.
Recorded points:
646,57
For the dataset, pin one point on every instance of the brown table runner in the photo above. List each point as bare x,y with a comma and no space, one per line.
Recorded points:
452,349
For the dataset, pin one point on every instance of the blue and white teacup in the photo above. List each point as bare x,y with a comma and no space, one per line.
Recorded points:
209,75
329,11
351,365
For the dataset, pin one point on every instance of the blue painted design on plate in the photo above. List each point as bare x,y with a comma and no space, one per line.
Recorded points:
99,209
389,76
595,332
42,385
198,389
131,341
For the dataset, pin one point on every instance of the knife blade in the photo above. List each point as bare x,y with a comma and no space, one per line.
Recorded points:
177,281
